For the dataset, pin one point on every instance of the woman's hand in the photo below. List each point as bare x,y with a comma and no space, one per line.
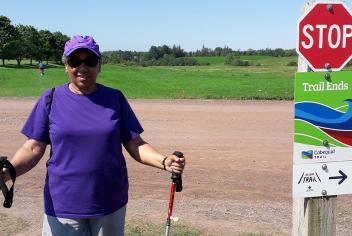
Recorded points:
175,164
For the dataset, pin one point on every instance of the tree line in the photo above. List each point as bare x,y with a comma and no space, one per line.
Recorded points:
156,56
176,56
20,42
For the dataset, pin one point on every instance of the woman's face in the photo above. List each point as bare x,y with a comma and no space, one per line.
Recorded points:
83,67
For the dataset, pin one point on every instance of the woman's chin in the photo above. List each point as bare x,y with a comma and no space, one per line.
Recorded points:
86,88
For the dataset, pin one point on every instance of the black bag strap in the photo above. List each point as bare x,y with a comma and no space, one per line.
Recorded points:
8,194
51,96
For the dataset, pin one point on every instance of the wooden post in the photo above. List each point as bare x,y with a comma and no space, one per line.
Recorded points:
313,216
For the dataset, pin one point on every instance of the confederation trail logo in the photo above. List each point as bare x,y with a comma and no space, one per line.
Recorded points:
307,154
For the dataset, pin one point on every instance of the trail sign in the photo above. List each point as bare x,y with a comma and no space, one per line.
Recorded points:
325,36
322,155
314,180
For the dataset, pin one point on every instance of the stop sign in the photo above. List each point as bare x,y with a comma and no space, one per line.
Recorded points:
325,36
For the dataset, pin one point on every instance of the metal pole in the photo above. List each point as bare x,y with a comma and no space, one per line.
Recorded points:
169,213
176,186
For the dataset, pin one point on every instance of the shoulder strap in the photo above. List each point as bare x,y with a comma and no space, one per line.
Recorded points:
8,194
51,96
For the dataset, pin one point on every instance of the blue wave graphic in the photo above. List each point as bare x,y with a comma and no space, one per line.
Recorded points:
325,117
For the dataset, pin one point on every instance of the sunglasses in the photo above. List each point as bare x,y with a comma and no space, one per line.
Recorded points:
76,62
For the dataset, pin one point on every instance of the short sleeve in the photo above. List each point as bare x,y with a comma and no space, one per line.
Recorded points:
37,124
130,126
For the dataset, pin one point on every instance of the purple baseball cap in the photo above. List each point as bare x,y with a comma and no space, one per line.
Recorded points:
78,41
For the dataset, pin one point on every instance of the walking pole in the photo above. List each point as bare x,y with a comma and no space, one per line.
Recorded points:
176,185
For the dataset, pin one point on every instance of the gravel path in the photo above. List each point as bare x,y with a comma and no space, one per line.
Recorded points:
238,175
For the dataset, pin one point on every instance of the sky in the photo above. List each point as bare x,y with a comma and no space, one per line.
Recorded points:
139,24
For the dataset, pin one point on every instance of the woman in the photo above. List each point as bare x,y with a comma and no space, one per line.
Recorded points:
86,186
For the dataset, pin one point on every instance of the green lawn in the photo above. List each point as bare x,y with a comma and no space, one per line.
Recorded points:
272,80
142,228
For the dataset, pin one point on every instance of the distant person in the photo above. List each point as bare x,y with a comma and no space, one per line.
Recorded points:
41,67
86,124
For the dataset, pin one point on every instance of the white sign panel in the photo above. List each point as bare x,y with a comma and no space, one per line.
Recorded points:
310,154
322,179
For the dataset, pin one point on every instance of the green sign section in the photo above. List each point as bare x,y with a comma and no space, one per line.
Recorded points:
322,108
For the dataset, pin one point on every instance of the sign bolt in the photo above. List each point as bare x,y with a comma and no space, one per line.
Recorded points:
326,143
330,8
324,167
324,193
327,66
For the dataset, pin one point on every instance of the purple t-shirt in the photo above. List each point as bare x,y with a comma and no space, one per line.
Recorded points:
86,173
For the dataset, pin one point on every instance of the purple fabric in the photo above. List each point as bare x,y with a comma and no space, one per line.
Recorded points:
77,42
86,173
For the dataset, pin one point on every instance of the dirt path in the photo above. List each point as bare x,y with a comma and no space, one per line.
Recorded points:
238,176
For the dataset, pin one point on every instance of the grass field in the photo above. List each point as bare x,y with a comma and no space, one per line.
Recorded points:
271,80
137,228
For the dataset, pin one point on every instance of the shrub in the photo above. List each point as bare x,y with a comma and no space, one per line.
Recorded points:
170,60
292,63
233,60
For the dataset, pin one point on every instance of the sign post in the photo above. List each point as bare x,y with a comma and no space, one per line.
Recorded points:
324,44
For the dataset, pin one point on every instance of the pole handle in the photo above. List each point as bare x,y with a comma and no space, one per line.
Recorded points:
8,193
177,178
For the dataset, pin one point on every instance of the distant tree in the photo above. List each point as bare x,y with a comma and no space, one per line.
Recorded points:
250,52
7,34
177,51
278,52
167,59
30,41
25,41
165,50
155,53
15,50
57,46
205,51
290,52
47,43
226,50
218,51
